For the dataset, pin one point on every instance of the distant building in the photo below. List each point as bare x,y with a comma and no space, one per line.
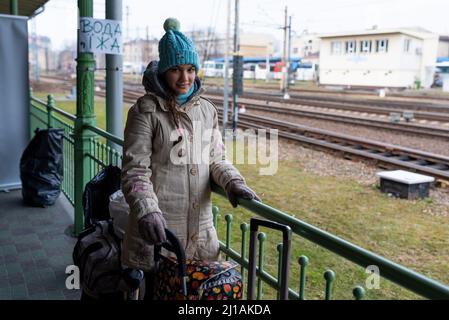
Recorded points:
40,55
66,61
208,44
305,45
256,45
443,46
396,58
138,53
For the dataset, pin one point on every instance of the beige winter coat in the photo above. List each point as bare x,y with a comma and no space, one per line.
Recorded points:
159,174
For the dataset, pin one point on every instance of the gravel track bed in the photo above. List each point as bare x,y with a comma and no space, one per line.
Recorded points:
325,164
433,145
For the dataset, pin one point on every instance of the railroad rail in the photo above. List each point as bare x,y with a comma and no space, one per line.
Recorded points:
322,101
384,155
414,128
438,113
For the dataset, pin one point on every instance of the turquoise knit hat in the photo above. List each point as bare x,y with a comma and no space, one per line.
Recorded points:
175,48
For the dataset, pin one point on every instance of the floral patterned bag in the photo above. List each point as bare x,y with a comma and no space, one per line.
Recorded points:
181,279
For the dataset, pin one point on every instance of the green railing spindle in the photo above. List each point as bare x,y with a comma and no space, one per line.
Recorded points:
329,276
50,107
261,237
109,155
303,262
358,292
244,228
279,249
215,213
228,219
91,152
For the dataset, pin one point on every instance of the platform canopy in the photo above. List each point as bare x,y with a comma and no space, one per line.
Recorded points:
26,7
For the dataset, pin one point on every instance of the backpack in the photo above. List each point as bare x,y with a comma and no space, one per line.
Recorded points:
96,194
97,254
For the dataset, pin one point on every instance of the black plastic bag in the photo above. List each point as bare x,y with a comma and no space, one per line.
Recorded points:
97,192
41,168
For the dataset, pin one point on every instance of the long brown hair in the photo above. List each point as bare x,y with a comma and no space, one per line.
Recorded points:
171,99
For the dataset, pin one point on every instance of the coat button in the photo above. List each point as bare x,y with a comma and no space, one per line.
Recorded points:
193,171
195,205
181,153
194,237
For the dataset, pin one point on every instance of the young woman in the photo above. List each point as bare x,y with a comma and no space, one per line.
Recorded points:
173,149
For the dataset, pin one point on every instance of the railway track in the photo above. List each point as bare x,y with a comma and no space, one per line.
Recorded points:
430,116
346,102
384,155
414,128
341,92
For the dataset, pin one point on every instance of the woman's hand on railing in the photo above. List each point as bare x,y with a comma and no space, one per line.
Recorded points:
238,189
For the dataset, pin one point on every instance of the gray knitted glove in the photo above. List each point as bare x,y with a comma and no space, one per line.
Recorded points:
152,228
238,189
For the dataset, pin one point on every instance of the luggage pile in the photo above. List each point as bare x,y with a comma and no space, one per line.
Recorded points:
97,253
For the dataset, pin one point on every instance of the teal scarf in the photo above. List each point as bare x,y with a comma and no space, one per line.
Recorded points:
182,98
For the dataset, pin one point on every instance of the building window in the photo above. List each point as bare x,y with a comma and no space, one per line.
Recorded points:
295,50
382,45
407,45
365,46
335,47
350,46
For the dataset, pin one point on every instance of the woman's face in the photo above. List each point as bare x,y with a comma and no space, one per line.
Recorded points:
180,78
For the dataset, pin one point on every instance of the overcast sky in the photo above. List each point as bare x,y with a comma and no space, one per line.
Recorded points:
58,21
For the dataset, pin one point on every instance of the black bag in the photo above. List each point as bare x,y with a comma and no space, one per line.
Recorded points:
41,168
97,255
97,192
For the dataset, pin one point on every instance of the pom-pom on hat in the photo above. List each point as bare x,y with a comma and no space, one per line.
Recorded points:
175,48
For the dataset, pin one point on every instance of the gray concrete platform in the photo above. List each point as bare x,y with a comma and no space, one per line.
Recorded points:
35,249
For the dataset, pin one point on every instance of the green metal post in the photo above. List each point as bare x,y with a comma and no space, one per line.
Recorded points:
228,219
244,227
303,262
14,7
279,249
358,292
329,276
50,107
261,237
84,116
216,213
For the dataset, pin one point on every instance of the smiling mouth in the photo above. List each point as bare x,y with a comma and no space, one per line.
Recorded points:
183,85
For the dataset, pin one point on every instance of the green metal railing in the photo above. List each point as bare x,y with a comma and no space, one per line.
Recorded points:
45,114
